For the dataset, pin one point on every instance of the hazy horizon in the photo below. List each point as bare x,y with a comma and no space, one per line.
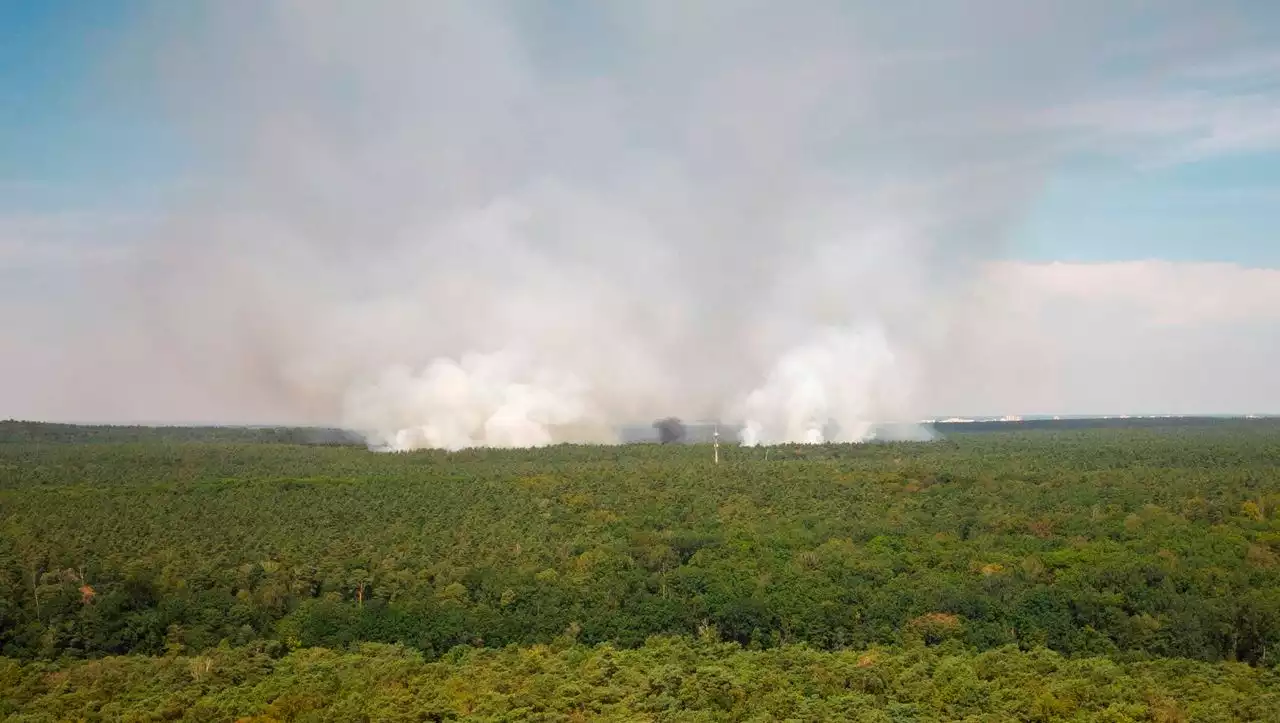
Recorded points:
938,419
449,224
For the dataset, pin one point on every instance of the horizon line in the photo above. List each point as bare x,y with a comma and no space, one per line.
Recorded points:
948,419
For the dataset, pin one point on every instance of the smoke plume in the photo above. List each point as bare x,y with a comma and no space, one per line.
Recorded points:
484,399
834,389
670,430
453,224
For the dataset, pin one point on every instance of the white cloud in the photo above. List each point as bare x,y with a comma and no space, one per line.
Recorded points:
1055,338
1253,68
1123,337
664,199
1156,292
1226,105
63,242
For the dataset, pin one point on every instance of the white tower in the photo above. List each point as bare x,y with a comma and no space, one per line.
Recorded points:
715,443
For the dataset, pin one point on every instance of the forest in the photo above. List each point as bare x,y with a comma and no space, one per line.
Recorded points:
1026,573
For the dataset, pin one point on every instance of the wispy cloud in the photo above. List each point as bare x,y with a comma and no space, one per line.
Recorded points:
1122,337
66,241
1157,292
1203,110
663,199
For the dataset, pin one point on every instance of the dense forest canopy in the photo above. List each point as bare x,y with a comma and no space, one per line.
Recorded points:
667,679
1149,553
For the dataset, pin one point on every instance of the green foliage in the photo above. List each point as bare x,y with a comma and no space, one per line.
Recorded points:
1121,545
1163,543
15,431
675,679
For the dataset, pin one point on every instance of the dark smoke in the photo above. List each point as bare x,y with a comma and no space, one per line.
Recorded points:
670,430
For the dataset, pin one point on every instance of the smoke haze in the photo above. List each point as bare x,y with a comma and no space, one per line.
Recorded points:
451,224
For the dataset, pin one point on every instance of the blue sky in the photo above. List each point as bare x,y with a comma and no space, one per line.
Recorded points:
381,185
68,143
1213,210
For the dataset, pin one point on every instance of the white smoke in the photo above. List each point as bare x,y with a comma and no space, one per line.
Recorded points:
481,400
836,388
751,211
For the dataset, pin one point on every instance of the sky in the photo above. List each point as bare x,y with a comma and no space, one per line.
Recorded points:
1099,185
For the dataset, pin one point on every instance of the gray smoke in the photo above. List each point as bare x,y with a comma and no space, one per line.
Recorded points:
670,430
452,224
